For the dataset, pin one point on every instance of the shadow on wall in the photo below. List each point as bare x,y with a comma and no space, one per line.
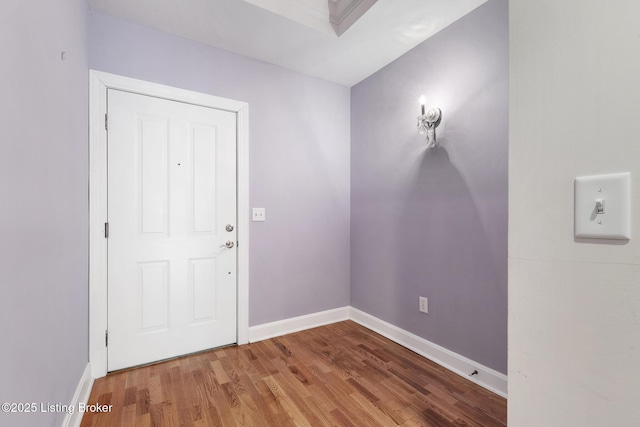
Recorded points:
443,254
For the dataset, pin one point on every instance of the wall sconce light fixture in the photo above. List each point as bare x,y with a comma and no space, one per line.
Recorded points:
427,123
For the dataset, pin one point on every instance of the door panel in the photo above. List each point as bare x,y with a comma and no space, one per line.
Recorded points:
153,146
171,192
202,205
203,297
153,281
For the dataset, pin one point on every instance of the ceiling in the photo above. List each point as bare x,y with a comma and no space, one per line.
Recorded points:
297,34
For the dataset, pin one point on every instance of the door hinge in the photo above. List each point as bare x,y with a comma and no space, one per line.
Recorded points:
106,230
106,122
106,338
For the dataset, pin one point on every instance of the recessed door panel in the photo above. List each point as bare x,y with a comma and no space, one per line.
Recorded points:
153,297
201,273
152,142
203,180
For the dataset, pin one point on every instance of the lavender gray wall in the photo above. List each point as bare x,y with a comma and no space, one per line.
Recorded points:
299,159
44,213
434,223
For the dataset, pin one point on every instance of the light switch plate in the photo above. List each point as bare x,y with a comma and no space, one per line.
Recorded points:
259,214
612,192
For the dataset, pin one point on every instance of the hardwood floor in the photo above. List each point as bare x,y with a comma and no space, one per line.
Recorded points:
337,375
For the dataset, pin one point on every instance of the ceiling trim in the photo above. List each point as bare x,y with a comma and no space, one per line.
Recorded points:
344,13
311,13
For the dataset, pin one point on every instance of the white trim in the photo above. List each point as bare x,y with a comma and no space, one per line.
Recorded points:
83,391
99,82
243,224
295,324
487,378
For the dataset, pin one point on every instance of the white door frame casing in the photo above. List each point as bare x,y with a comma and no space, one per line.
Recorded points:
99,83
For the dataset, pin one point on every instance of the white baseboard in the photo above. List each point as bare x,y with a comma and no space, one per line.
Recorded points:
487,378
80,396
295,324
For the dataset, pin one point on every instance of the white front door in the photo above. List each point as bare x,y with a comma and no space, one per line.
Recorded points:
172,228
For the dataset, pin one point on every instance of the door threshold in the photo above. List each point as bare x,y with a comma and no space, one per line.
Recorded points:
169,359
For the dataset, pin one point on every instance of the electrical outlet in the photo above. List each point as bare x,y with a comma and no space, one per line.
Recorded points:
259,214
424,305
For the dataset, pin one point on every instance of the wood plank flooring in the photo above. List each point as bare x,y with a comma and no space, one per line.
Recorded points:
337,375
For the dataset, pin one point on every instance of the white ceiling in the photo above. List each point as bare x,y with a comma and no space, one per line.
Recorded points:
294,37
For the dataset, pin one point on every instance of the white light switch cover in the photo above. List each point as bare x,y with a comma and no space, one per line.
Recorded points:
615,191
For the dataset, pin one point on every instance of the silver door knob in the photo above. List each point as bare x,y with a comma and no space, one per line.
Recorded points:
229,228
229,244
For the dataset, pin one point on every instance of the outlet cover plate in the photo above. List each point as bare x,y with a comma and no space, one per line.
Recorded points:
259,214
614,192
424,305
